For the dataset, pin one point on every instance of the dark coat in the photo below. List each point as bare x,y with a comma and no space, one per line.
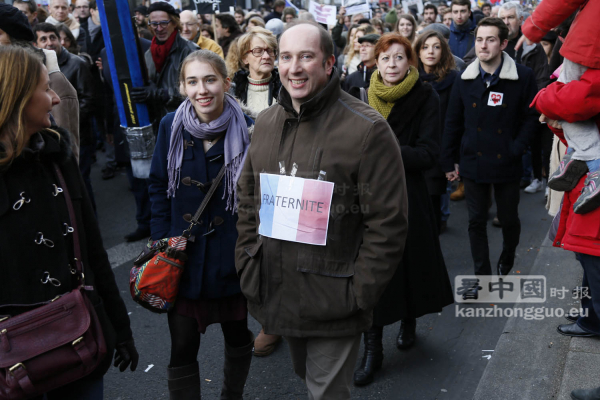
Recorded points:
23,262
490,140
168,78
361,78
225,42
301,290
210,270
462,39
240,87
435,177
535,59
421,285
77,72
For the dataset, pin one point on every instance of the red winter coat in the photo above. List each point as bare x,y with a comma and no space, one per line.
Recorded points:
581,45
577,232
571,102
575,101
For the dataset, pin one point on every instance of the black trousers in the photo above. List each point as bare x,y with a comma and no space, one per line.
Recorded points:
541,146
507,203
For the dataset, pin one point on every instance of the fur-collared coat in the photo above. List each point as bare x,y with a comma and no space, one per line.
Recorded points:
490,127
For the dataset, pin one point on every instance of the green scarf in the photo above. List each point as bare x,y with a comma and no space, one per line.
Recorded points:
382,98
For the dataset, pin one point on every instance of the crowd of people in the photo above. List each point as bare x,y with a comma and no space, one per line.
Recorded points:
458,102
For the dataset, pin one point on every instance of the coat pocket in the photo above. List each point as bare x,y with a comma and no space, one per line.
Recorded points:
327,291
250,275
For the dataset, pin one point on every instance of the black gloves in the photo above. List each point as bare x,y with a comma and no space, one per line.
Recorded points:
126,354
150,93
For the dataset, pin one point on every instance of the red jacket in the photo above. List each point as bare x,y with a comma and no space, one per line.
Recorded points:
577,232
571,102
581,45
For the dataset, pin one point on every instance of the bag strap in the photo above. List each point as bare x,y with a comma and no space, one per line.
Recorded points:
211,191
73,222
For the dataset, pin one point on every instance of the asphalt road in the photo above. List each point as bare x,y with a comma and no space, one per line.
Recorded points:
447,361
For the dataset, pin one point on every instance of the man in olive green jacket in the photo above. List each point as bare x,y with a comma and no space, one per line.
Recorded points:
321,297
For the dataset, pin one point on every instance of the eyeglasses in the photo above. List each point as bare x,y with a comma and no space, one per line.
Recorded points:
259,51
82,7
162,24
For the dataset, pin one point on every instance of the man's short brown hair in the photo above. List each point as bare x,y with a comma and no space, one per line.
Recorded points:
461,3
498,23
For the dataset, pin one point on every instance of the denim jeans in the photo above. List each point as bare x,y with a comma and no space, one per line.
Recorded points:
446,202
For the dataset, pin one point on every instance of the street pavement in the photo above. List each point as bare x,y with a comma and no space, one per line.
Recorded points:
447,362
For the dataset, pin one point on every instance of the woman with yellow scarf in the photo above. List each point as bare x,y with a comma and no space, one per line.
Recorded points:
421,284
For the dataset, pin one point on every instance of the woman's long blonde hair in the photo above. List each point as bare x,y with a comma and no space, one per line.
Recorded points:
366,29
20,73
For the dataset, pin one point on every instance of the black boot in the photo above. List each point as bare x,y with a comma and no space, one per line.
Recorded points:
373,357
406,336
184,382
235,369
586,394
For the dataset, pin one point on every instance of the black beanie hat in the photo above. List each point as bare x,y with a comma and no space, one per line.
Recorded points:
551,37
141,9
15,23
162,6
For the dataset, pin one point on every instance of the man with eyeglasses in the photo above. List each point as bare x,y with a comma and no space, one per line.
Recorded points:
191,31
361,78
167,52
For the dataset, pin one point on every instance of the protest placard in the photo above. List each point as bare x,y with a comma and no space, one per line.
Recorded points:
323,14
356,7
295,209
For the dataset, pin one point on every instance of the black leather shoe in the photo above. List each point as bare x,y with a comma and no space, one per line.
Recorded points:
373,357
138,234
506,262
573,330
586,394
407,335
572,317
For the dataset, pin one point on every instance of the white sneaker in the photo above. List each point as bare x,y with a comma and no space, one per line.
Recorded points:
535,186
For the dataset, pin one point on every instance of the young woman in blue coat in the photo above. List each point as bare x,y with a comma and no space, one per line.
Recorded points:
208,130
436,67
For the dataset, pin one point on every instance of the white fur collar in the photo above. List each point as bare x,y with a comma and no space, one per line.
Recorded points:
508,71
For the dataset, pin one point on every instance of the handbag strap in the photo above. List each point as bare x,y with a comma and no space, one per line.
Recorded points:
73,222
211,191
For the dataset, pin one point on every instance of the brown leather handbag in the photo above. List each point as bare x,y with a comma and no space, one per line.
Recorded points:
56,343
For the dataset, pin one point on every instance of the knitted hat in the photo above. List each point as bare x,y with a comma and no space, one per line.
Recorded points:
439,28
275,25
162,6
370,38
391,17
15,23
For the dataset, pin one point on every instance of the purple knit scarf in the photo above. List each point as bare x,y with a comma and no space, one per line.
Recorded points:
236,143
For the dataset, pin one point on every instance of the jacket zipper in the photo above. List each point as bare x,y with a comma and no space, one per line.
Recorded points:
45,318
159,258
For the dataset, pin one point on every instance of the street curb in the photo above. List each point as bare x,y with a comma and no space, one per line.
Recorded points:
530,356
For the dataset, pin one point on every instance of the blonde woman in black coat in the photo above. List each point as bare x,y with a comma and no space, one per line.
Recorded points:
36,232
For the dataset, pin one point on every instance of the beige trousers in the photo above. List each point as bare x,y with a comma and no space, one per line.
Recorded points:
326,365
